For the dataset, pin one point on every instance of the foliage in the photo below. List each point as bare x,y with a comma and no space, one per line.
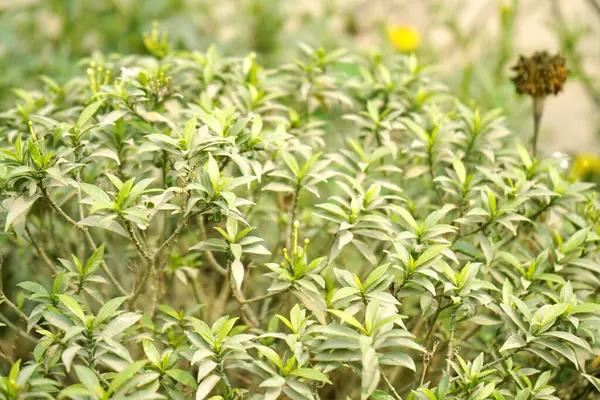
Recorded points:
201,225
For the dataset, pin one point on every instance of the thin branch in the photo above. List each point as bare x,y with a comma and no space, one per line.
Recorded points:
9,303
390,386
173,236
433,322
427,358
41,252
88,238
264,297
152,258
209,254
247,313
136,241
18,330
501,359
451,340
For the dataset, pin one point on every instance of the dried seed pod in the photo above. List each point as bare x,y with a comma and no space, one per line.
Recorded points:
540,75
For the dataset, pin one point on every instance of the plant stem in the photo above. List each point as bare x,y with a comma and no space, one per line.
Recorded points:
293,212
18,330
209,254
264,297
9,303
136,241
451,340
433,322
389,385
247,313
152,258
41,252
538,110
501,359
88,238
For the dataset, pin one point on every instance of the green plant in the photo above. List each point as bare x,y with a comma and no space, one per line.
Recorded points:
198,225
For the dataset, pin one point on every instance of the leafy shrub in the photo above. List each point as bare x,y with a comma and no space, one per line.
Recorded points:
339,227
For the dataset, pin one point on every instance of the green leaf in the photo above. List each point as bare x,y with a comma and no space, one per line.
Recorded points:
311,373
120,323
594,381
347,318
213,170
575,241
513,342
183,377
206,386
291,163
370,368
19,208
459,167
152,353
343,293
430,254
72,306
68,355
108,309
88,113
94,261
375,275
125,375
237,273
95,193
89,380
270,354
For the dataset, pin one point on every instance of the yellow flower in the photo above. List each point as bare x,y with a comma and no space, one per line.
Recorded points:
586,164
405,38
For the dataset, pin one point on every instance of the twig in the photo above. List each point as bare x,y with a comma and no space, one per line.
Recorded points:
389,385
427,358
88,237
264,297
18,330
433,322
538,111
40,252
501,359
247,313
136,241
152,258
451,340
209,254
9,303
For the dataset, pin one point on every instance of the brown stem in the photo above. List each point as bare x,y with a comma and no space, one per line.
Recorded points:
390,386
248,314
538,110
136,241
88,238
500,360
41,252
209,254
264,297
450,355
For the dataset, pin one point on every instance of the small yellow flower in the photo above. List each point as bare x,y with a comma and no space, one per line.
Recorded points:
585,165
405,38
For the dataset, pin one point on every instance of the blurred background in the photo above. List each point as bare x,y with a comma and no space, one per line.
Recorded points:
473,43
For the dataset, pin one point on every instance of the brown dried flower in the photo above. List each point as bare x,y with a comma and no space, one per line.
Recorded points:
540,75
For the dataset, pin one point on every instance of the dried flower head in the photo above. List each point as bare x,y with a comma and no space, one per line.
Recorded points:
540,75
